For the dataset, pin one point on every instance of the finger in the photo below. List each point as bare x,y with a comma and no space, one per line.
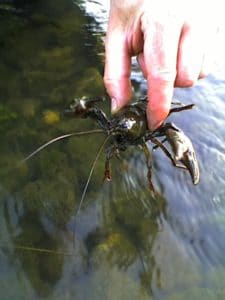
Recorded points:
160,54
141,62
190,57
210,53
117,69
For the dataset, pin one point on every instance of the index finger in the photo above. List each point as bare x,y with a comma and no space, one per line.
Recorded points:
117,68
161,41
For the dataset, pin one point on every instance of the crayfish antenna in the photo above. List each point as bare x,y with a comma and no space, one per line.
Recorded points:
80,133
42,250
87,184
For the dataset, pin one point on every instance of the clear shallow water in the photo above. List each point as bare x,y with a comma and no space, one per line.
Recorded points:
126,245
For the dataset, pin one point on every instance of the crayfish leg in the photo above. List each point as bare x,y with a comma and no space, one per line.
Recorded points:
110,151
149,166
181,108
108,172
157,146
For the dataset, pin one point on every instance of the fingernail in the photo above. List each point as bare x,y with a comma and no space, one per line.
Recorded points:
114,106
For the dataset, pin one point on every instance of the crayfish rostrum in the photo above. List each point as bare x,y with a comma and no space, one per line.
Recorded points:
129,127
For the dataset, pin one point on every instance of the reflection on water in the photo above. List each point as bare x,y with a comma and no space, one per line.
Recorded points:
124,244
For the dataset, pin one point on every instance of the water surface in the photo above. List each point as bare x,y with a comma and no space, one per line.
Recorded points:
123,244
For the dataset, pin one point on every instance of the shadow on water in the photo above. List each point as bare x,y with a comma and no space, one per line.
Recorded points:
128,245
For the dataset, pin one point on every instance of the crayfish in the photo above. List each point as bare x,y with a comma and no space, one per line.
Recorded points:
127,128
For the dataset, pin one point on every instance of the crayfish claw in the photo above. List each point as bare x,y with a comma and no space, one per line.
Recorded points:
78,109
82,106
183,151
190,161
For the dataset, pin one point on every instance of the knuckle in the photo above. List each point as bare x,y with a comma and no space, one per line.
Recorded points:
106,80
109,82
166,75
185,80
184,83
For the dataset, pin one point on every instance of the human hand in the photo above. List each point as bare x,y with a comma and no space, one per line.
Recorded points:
170,40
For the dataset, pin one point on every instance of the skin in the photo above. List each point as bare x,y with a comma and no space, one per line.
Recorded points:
170,42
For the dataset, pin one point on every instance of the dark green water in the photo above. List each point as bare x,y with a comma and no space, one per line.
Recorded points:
123,244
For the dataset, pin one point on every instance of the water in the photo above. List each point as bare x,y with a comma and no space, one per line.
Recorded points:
123,244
